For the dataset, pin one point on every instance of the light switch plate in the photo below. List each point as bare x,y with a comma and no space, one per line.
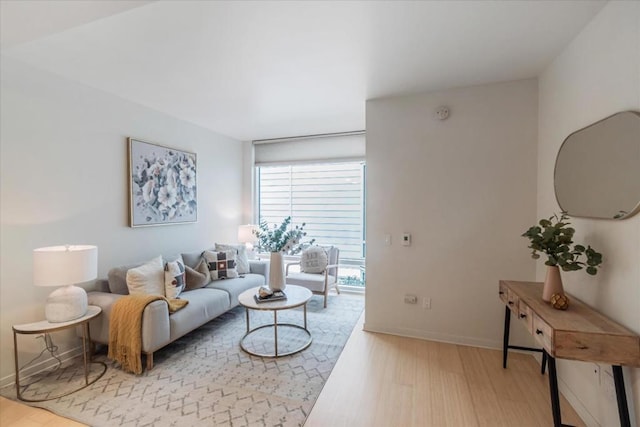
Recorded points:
406,239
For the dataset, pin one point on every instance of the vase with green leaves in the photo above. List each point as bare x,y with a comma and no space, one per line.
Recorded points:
553,237
280,240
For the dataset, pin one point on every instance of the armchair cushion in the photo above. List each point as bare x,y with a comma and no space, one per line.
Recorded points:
312,281
313,260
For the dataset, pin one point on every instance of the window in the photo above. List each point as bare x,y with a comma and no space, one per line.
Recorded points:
328,198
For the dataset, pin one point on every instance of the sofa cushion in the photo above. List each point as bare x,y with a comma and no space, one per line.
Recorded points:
235,287
147,279
192,259
174,278
242,259
204,305
198,277
222,265
118,279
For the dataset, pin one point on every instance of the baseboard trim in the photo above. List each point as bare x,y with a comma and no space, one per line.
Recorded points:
577,404
434,336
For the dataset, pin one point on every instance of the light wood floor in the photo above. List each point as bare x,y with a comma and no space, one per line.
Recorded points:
384,380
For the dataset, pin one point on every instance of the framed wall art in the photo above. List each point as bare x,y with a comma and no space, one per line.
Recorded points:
162,185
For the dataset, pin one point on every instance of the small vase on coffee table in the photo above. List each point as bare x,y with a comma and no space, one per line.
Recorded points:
276,272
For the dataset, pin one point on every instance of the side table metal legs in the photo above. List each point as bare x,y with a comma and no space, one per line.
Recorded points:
86,360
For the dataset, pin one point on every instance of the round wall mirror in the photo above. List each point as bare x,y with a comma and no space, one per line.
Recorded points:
597,173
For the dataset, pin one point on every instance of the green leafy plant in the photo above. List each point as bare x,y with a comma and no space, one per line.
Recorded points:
554,238
281,238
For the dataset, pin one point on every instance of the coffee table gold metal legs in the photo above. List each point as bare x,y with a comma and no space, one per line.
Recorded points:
275,331
275,325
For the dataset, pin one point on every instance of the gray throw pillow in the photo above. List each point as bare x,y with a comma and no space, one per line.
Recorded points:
314,260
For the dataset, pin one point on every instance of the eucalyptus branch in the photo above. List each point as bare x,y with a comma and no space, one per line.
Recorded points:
554,238
281,238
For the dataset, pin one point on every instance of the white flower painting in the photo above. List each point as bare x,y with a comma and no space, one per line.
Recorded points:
163,185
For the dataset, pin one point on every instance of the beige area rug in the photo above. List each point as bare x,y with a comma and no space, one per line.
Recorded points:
205,379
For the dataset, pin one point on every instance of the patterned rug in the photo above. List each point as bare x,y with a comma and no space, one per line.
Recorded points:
205,379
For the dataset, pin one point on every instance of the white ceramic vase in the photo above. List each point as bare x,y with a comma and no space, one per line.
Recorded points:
552,283
276,272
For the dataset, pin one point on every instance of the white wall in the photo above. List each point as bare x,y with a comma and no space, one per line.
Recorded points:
597,75
64,180
465,188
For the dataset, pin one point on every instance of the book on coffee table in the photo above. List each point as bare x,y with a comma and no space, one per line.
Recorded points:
276,296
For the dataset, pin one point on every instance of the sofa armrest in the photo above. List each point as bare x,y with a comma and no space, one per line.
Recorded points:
258,266
155,321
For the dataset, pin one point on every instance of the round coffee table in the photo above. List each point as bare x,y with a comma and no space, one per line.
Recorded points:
296,296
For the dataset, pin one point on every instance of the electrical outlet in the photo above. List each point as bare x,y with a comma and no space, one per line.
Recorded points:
410,299
426,303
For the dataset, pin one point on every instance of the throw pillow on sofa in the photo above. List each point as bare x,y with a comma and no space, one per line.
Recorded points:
242,259
147,279
222,264
197,277
174,278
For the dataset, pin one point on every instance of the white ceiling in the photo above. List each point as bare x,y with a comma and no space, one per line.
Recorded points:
267,69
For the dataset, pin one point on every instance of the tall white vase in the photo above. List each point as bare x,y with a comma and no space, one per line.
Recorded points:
276,272
552,283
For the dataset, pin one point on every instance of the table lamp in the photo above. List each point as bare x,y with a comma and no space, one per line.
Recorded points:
65,266
246,236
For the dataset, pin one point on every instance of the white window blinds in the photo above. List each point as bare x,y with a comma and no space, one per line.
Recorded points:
335,147
328,197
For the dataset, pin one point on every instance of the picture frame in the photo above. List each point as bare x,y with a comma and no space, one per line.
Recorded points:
162,185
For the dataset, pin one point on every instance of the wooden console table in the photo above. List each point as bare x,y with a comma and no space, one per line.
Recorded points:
579,333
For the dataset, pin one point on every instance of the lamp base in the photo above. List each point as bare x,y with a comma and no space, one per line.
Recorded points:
65,304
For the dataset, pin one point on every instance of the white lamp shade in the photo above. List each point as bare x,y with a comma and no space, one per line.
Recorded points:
64,265
245,233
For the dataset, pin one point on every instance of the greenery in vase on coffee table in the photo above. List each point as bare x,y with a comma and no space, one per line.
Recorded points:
554,238
281,238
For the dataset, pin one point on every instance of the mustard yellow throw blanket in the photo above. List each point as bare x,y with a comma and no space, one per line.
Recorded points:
125,328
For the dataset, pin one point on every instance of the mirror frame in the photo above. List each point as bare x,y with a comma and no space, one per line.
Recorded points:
631,213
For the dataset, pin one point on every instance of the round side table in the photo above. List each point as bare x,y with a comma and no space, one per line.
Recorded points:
45,327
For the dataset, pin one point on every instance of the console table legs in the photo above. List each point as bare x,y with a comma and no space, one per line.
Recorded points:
553,391
506,346
621,396
505,338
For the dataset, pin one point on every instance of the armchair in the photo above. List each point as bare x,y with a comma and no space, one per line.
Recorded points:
318,283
